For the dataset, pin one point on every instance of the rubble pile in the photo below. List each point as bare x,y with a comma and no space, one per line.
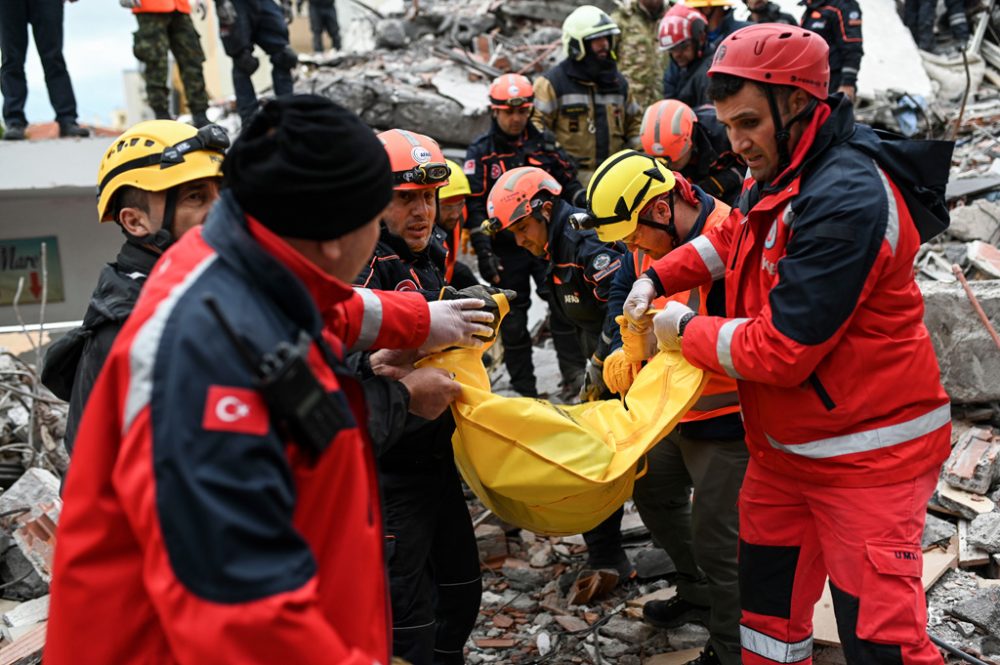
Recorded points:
430,68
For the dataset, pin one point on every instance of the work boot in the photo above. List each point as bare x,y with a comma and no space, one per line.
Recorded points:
199,119
71,129
15,132
672,613
706,657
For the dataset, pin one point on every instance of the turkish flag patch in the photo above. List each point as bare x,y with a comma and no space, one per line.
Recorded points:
237,410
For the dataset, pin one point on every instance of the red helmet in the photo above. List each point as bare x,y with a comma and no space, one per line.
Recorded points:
518,193
417,161
667,128
680,24
511,90
777,54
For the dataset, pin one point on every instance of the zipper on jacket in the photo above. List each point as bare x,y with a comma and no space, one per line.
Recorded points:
821,392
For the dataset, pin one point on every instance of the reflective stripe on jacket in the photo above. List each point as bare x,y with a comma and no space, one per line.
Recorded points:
824,331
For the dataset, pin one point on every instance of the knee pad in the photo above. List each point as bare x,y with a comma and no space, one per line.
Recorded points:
246,62
286,58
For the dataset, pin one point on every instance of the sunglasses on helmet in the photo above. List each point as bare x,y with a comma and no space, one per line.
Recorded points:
422,174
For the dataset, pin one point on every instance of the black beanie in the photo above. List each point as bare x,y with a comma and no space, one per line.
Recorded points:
306,167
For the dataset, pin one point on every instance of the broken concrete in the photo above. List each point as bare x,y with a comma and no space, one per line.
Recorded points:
984,532
522,576
980,220
937,532
982,610
652,564
974,464
969,359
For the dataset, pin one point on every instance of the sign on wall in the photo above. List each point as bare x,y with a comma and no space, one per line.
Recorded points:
22,257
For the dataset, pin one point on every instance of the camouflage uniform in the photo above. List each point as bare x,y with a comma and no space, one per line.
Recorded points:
175,31
639,55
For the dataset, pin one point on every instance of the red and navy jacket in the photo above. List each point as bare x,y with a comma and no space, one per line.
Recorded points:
580,272
824,330
191,528
839,23
493,154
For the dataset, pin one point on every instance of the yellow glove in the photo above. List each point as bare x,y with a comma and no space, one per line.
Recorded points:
637,345
619,372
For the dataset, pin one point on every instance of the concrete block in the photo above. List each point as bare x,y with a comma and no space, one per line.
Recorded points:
974,464
521,576
631,632
980,220
982,610
984,532
937,530
969,359
653,563
492,542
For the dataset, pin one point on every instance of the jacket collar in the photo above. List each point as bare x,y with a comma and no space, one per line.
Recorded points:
401,249
706,205
135,259
227,231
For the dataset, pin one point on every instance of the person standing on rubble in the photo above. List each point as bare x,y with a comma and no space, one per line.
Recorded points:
154,207
222,502
165,27
639,57
584,100
705,452
921,15
847,422
578,272
839,23
244,24
433,559
513,141
694,143
684,35
322,18
765,11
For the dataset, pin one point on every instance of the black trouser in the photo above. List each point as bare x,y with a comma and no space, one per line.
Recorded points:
918,15
258,22
46,19
519,268
958,21
433,562
323,18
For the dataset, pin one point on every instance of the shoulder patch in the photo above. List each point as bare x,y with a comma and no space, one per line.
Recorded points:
406,285
469,168
601,261
238,410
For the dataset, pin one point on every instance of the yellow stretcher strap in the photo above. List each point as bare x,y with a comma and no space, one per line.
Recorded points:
557,469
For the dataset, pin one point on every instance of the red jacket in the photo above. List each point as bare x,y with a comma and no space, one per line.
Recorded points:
837,377
163,7
192,530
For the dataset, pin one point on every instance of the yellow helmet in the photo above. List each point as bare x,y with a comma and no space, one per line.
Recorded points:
708,3
156,155
620,189
458,184
584,23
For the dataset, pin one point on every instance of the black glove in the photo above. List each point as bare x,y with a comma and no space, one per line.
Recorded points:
489,266
484,293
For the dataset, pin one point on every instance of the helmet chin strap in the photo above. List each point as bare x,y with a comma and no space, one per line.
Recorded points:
160,241
782,131
670,228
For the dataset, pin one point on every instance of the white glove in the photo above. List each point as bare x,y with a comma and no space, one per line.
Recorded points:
666,325
639,299
457,323
130,4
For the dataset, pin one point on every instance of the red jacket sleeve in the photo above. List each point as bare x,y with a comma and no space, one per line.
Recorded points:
380,320
698,262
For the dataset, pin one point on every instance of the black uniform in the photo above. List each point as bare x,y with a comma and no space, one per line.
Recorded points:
920,15
689,84
771,13
714,166
580,270
73,361
839,22
430,545
488,158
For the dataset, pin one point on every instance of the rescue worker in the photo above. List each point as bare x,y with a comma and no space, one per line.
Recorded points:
839,23
640,60
694,143
513,141
450,224
765,11
847,423
243,24
920,16
663,212
684,36
579,270
433,559
584,100
165,27
154,207
720,23
322,18
211,514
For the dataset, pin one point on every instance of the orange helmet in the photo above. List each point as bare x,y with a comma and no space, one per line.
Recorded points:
417,161
667,128
511,90
517,194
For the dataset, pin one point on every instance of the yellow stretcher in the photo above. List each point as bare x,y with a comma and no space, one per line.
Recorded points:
556,469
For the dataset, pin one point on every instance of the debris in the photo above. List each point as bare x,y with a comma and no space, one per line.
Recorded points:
974,464
954,501
653,563
982,610
980,220
968,553
937,531
522,576
28,612
986,258
984,532
492,542
31,507
592,585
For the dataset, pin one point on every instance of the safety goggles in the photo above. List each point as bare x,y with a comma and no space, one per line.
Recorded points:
422,174
513,102
211,138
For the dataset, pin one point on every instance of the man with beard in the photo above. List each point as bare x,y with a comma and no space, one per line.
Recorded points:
512,142
584,99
